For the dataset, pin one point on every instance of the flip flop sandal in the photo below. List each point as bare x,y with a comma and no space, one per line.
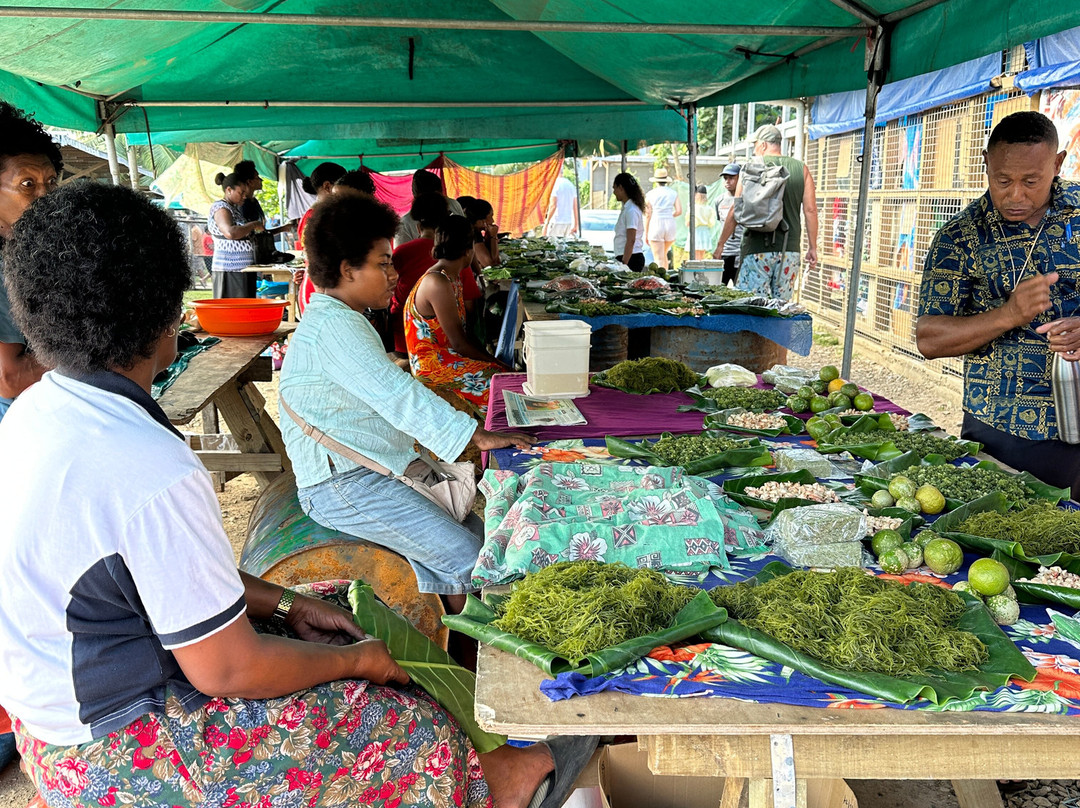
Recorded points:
571,754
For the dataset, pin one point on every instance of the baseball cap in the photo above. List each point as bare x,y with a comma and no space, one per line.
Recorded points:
731,170
767,133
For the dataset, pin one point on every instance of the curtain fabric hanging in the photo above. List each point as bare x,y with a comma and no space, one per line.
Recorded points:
518,199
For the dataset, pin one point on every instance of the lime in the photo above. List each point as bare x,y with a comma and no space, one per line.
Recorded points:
806,391
840,400
914,554
988,577
1004,610
819,386
964,586
882,499
901,486
835,385
828,373
925,537
943,556
931,500
850,389
885,540
864,402
818,428
833,419
909,504
893,561
797,404
819,404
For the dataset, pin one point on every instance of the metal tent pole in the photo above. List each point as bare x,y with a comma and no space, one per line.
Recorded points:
734,131
133,167
110,150
719,130
622,162
577,187
876,66
691,148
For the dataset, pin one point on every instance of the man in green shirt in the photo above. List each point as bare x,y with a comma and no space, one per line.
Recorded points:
770,261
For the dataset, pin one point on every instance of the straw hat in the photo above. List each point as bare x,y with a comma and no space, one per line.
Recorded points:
660,176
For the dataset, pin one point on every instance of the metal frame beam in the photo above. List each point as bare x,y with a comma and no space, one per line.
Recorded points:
857,10
624,102
428,23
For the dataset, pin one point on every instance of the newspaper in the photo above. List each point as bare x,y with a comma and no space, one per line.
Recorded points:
524,411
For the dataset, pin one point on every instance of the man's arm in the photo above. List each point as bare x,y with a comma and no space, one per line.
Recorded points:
18,369
810,212
938,335
725,234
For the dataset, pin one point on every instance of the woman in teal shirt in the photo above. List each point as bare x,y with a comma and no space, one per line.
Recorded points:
337,377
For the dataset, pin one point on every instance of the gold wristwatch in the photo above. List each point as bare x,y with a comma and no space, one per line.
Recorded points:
284,605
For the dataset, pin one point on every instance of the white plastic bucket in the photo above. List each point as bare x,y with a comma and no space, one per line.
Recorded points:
557,358
709,271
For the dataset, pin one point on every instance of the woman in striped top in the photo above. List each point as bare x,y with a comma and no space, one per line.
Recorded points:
233,250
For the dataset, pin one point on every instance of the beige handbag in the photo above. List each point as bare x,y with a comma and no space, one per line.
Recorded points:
451,486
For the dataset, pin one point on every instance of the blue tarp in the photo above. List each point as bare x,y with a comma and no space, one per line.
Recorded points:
844,112
1053,61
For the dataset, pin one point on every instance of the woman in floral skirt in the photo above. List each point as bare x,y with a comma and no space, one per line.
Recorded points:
129,662
440,351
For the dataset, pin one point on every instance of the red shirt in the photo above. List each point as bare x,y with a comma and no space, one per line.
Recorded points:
411,260
307,288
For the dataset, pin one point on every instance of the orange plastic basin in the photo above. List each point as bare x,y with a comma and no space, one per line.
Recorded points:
239,316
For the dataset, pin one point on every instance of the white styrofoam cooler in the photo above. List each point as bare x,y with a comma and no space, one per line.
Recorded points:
557,358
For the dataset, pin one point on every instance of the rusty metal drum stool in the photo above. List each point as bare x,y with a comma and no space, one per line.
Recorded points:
701,349
287,547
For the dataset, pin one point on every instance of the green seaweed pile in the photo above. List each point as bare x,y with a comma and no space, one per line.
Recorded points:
678,450
576,608
966,483
1040,528
749,398
919,442
856,622
651,373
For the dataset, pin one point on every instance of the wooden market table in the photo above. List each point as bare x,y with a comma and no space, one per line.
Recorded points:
224,376
739,740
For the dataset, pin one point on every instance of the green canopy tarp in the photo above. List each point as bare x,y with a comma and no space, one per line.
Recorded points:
421,80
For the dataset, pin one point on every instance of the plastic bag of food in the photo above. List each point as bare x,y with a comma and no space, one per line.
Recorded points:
649,282
827,523
826,556
798,459
730,375
789,371
572,285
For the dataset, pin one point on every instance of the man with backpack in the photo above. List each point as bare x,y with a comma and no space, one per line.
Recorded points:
773,191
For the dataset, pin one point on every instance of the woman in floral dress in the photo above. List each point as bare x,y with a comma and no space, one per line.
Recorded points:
131,667
440,351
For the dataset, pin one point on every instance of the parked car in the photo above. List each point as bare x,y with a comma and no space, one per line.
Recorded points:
598,228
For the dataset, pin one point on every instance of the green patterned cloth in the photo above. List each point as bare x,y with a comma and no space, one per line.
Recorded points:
641,516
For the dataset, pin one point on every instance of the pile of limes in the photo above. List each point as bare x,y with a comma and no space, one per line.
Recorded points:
988,580
904,493
829,391
894,554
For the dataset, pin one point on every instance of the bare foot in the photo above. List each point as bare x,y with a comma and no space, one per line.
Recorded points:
514,774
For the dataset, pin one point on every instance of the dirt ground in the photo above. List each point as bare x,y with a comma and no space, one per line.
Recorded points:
240,494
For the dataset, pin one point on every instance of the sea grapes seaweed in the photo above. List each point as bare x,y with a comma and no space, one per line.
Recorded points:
1041,528
651,373
857,622
578,608
678,450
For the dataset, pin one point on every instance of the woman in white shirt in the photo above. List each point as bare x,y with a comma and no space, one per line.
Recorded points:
662,207
629,229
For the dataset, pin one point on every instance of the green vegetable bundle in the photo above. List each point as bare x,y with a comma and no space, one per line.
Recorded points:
749,398
601,309
678,450
578,608
970,482
858,622
919,442
651,374
1040,528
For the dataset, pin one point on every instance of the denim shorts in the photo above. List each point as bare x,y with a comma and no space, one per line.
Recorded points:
383,511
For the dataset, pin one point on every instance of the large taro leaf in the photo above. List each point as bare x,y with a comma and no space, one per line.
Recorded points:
1005,662
752,454
453,687
476,619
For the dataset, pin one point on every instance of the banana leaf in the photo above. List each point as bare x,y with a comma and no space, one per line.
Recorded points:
1005,662
453,687
1029,592
1012,549
916,423
476,619
735,488
718,421
878,450
754,454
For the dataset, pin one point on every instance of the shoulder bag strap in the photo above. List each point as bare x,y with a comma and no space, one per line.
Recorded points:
337,447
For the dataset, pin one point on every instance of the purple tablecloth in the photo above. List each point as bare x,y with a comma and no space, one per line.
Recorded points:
609,412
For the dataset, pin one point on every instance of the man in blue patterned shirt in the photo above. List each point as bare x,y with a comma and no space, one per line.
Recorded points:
1000,289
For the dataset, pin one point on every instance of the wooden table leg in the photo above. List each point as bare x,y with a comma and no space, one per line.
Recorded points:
733,791
760,793
267,426
977,793
210,427
244,427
